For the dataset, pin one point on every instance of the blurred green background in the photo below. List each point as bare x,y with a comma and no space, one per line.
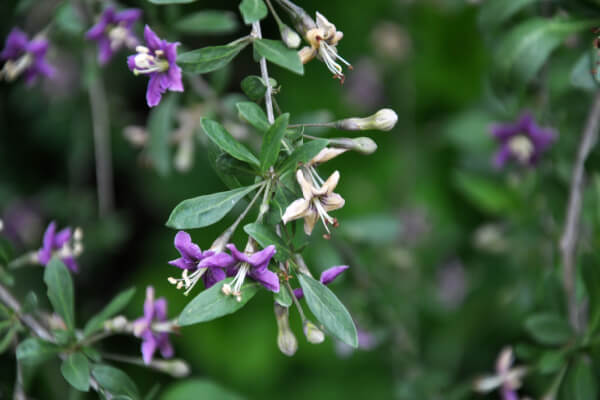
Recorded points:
439,306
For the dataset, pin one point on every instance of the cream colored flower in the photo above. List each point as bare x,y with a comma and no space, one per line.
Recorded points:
325,155
315,202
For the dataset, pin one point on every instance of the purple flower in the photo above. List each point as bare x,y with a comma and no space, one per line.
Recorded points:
25,57
208,265
326,278
158,62
113,31
523,141
507,378
255,264
59,244
154,311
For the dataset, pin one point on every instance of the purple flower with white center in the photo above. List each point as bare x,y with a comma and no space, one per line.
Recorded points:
327,276
113,31
523,141
26,57
254,264
507,378
209,265
158,62
61,245
155,311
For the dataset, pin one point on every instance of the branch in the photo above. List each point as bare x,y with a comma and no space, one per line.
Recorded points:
265,76
568,241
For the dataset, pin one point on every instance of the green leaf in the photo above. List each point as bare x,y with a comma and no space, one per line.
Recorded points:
160,125
254,114
117,304
266,237
36,351
303,154
60,291
580,383
208,22
329,310
208,59
190,389
165,2
8,338
6,252
276,52
68,20
254,87
485,193
272,142
219,136
591,278
76,370
548,329
526,48
253,10
212,303
581,74
205,210
495,12
115,381
551,361
283,297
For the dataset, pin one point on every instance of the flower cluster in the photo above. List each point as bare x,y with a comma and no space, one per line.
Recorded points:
65,244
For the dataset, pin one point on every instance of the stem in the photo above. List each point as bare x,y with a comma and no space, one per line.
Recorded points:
239,219
314,125
24,260
568,241
102,151
296,302
265,76
277,19
264,206
19,392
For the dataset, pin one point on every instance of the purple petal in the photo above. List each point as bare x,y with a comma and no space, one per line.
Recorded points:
45,252
213,276
71,264
501,157
261,259
503,132
219,260
265,277
160,309
131,62
148,348
174,78
299,293
105,51
171,52
61,238
508,394
526,122
330,274
153,93
129,16
38,47
154,43
149,304
238,255
166,349
183,264
43,68
15,44
188,249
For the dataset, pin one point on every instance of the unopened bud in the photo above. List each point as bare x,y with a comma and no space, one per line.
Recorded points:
176,368
289,36
78,234
286,340
383,120
313,334
117,324
363,145
136,135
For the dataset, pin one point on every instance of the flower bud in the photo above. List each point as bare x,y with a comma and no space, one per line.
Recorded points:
363,145
289,36
286,340
176,368
136,135
313,334
117,324
383,120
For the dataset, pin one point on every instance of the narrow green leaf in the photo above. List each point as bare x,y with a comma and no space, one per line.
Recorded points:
117,304
548,329
8,339
303,154
272,142
254,114
254,87
115,381
495,12
581,382
526,48
76,370
205,210
253,10
160,125
208,59
219,136
283,297
35,351
277,53
60,291
581,74
208,22
266,237
190,389
329,310
212,303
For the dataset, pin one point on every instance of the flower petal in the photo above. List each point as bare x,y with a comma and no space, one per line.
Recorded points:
160,309
154,92
305,185
61,238
330,274
332,201
175,83
45,252
299,293
188,249
331,182
129,15
71,264
152,40
218,260
165,346
15,45
297,209
261,259
238,255
265,277
149,304
213,276
310,219
148,349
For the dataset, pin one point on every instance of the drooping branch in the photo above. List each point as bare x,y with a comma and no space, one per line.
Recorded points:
568,241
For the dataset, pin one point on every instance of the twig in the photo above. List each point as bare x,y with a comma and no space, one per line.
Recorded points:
102,152
265,76
568,241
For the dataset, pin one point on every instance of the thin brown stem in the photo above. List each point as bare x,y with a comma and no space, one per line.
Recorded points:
568,241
